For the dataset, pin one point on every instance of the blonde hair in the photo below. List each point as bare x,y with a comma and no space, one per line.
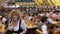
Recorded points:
15,12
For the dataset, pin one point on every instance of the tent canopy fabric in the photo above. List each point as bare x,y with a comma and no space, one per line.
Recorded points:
38,2
48,2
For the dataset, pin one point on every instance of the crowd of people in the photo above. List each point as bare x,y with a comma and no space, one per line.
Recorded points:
16,18
14,23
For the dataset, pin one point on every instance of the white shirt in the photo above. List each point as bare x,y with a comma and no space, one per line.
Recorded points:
30,18
23,26
49,20
4,19
44,29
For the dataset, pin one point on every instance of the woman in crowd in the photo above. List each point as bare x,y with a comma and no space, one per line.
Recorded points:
16,25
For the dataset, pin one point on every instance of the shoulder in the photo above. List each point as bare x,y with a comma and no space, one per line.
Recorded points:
22,21
44,26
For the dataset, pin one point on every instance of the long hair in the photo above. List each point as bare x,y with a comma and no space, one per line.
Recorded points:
15,12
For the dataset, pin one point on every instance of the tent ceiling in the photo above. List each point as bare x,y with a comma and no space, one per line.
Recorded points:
2,2
48,2
39,2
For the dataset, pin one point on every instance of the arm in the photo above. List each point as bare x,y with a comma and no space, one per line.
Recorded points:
23,26
5,30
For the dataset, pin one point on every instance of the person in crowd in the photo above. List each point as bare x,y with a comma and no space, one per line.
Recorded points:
52,17
30,17
4,19
49,17
43,25
34,19
15,24
47,14
58,15
51,26
2,26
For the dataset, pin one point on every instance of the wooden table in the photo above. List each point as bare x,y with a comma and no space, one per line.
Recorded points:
2,28
30,27
38,31
30,24
58,24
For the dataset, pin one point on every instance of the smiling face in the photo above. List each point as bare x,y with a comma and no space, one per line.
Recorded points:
15,14
14,17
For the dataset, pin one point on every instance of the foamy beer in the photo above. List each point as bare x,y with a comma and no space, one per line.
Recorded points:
2,26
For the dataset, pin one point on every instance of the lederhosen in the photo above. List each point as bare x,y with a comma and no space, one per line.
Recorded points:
16,32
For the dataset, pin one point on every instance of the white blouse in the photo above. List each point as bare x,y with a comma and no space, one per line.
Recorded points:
44,29
23,26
